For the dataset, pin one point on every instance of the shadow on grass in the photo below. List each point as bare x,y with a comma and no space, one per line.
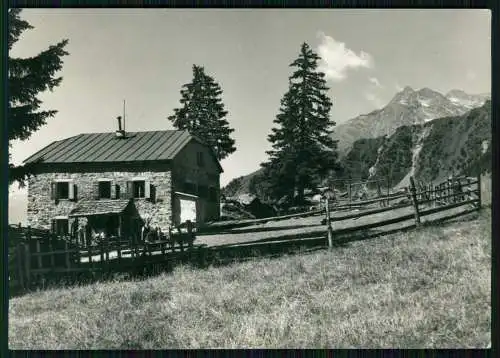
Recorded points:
259,229
204,257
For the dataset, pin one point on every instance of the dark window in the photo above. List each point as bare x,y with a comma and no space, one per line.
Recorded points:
61,226
139,187
190,188
105,190
212,194
117,191
202,191
199,159
62,190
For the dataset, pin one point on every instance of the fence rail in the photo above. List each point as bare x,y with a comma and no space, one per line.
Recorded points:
39,253
457,195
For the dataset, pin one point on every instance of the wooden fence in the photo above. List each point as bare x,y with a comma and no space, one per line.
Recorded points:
39,254
424,199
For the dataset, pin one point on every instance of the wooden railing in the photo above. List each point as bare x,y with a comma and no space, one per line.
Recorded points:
39,252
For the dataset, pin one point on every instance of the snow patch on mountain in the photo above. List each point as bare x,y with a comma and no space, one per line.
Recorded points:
424,103
415,154
373,169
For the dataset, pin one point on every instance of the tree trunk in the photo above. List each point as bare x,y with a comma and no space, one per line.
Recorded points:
300,191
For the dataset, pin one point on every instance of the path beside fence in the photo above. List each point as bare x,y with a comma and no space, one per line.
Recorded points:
39,254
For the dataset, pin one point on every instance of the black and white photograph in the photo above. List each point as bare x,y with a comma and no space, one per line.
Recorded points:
189,178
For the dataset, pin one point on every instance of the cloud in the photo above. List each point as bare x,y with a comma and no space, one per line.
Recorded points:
376,82
398,87
337,59
373,98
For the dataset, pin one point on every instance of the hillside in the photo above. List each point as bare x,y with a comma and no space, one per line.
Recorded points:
243,184
430,152
429,288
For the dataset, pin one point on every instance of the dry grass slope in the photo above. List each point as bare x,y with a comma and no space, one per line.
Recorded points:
428,288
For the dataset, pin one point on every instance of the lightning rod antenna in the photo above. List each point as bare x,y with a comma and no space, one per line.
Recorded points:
124,115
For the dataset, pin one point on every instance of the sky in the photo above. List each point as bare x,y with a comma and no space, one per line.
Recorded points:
144,56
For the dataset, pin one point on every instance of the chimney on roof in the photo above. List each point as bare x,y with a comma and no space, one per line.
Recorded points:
120,133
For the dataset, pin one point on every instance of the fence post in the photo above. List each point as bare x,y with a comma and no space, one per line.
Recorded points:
38,257
52,261
415,201
388,191
328,223
379,194
119,248
191,235
101,249
479,204
107,248
68,265
20,264
350,192
27,264
89,247
450,191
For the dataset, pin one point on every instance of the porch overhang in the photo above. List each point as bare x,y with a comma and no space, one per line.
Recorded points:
87,208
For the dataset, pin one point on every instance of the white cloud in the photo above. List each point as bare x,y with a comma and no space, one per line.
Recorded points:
337,59
398,87
376,82
373,98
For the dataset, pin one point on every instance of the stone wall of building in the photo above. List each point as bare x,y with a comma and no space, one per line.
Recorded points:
42,209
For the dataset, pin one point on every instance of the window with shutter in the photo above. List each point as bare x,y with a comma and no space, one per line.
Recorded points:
71,191
147,189
105,189
61,190
95,190
138,188
152,195
53,191
130,189
113,190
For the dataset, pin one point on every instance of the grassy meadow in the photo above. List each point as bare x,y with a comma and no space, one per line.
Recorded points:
426,288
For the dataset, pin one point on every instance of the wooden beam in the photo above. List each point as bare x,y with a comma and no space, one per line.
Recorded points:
479,191
413,191
328,223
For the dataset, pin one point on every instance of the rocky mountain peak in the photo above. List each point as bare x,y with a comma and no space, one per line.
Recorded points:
408,107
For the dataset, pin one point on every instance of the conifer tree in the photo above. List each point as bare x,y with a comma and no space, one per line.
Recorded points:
202,113
27,78
303,149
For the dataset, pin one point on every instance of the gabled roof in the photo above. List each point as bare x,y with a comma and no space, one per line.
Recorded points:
107,147
99,207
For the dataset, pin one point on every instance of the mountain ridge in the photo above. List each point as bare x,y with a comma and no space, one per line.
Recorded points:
412,141
407,107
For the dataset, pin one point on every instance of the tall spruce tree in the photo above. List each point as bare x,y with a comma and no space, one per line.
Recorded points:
202,113
27,78
303,150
